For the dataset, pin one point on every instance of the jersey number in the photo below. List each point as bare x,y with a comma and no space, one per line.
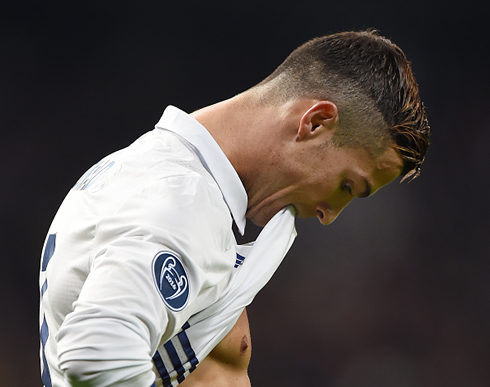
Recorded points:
48,253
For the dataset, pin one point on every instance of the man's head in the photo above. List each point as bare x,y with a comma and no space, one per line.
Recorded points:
340,118
370,81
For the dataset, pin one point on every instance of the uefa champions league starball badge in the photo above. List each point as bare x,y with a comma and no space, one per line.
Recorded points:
171,280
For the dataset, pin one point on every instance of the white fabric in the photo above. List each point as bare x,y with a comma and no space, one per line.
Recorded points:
213,159
207,328
102,317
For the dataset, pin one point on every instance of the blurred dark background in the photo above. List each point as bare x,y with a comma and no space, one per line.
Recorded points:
396,292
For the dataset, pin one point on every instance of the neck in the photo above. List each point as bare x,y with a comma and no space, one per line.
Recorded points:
242,128
256,137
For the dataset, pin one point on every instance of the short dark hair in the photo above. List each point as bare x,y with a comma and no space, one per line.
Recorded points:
371,81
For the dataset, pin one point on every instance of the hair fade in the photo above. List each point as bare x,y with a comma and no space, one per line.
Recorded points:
370,69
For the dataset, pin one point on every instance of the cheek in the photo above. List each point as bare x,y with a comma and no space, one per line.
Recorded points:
319,193
327,185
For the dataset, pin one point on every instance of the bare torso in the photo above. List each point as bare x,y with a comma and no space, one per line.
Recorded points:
227,364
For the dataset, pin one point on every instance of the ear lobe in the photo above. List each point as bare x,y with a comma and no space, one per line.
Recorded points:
320,118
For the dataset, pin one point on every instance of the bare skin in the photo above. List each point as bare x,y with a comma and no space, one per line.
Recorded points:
227,364
283,157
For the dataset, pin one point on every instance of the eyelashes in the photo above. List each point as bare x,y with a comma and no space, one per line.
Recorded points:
347,185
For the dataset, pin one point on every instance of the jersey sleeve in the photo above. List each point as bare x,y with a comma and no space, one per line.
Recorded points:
157,259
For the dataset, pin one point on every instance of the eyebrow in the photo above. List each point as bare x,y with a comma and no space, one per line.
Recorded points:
367,191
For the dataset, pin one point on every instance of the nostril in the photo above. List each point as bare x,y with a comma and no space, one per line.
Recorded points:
324,215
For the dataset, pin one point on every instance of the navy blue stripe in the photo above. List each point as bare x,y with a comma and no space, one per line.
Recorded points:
44,287
162,370
44,332
48,251
186,344
174,357
153,385
46,376
239,260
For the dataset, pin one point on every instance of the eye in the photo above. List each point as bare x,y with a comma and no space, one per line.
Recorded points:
346,185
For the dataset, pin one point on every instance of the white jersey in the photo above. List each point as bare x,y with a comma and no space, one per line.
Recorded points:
140,257
180,356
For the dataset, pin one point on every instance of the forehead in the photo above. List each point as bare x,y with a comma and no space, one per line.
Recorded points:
386,167
378,170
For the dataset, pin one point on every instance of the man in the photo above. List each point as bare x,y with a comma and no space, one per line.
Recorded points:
141,279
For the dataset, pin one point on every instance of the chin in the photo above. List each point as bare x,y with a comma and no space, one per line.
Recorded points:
258,222
259,219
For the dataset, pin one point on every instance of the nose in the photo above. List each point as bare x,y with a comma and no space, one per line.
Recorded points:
325,215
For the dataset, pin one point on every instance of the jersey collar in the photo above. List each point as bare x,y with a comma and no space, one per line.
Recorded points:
213,159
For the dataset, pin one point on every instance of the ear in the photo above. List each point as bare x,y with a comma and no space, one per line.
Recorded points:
321,118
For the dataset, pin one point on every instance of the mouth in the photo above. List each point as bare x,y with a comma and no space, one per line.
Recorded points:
261,215
302,212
